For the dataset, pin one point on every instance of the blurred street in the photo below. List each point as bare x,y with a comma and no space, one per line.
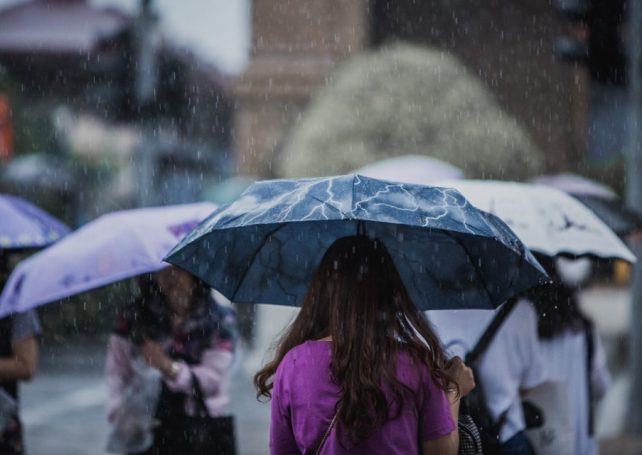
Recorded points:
64,407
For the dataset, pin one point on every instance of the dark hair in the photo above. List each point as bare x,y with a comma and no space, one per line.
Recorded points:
557,307
357,297
148,315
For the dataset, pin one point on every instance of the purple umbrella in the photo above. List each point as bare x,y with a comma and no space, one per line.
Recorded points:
109,249
23,225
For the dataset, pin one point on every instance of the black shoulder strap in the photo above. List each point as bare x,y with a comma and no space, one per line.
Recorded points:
490,332
590,348
201,407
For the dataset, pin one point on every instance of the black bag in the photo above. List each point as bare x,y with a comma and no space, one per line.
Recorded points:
470,442
478,431
474,407
201,434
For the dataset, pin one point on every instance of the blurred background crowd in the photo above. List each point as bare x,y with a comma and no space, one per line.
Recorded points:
116,104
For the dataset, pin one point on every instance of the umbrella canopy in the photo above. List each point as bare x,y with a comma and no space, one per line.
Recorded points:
575,184
265,246
601,199
621,219
548,220
23,225
417,169
109,249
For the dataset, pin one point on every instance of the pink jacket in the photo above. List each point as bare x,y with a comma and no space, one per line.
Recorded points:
211,373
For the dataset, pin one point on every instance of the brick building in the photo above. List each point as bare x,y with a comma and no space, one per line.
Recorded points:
508,45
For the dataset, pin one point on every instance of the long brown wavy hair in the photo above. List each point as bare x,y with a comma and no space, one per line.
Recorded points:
357,297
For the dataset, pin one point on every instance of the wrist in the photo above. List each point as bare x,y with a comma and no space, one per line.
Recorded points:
452,393
171,369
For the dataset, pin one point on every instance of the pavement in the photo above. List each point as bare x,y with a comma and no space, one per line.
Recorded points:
63,408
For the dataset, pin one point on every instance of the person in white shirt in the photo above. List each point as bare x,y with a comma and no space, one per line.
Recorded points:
573,352
511,364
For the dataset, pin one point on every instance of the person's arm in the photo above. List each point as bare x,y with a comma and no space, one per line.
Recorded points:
117,372
445,445
211,372
447,442
22,365
212,369
282,441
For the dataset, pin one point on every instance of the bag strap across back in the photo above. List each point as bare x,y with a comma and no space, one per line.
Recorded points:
590,348
327,433
482,344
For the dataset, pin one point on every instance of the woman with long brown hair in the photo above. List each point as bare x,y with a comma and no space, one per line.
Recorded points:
359,371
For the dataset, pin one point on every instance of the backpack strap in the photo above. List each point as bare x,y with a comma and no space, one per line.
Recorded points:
590,348
482,344
484,341
199,400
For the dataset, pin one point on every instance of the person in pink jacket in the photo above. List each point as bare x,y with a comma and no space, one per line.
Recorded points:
180,330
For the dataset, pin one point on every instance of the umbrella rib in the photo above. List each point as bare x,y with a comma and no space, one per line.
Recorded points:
326,204
254,256
479,276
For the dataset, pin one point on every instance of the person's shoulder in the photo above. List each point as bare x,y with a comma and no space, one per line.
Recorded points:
410,370
310,348
524,305
308,351
520,328
25,324
524,312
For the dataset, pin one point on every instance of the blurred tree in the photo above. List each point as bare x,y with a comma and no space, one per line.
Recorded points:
407,99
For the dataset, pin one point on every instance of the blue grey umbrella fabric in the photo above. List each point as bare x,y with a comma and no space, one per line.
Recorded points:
265,246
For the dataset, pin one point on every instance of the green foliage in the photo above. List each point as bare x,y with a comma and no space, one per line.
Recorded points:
406,99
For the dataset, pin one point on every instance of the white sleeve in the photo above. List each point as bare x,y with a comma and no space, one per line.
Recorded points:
533,367
600,376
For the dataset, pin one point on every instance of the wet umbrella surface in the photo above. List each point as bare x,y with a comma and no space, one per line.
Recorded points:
23,225
264,247
549,221
109,249
599,198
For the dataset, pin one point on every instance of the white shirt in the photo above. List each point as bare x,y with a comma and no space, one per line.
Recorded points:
566,361
511,362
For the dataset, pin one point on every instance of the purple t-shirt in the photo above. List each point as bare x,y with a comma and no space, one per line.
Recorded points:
304,397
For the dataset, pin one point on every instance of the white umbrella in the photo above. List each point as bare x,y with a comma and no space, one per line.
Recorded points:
547,220
415,169
601,199
576,184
